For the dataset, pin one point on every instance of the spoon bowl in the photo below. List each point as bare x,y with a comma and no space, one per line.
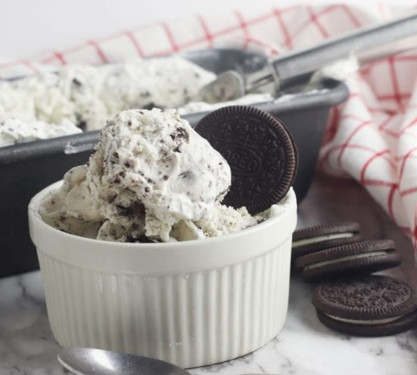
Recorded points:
89,361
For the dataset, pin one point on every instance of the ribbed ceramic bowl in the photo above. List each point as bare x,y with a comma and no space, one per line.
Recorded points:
190,303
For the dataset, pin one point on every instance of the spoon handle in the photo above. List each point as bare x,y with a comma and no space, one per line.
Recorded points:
366,45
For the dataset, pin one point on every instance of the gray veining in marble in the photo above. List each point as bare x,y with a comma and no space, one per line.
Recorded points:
304,347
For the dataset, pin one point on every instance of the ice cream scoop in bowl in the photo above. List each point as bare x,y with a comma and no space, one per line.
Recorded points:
212,282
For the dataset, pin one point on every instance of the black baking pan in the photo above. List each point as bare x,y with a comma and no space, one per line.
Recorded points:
27,168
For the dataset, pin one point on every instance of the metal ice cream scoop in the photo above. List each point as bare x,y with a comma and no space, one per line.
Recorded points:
89,361
365,45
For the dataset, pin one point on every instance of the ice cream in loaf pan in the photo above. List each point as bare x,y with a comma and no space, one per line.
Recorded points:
13,130
84,97
150,178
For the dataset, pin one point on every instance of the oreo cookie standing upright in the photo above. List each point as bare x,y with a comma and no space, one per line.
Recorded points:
260,151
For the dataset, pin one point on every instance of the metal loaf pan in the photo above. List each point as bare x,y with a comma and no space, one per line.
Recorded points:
27,168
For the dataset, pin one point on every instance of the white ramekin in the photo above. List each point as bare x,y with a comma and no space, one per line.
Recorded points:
190,303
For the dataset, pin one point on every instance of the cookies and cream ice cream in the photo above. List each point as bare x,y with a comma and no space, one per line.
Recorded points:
88,95
14,131
84,97
151,177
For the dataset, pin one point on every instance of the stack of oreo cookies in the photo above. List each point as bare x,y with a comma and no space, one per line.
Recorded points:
349,298
327,251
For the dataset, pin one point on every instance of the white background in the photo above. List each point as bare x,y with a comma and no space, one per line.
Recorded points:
31,26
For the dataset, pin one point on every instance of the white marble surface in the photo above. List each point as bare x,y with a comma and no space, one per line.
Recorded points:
304,347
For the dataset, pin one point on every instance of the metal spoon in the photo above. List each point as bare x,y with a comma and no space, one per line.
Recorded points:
89,361
366,45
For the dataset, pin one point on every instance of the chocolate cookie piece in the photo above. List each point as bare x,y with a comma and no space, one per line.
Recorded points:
357,258
319,237
259,150
371,305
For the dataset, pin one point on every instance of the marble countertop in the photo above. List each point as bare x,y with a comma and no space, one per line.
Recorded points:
304,346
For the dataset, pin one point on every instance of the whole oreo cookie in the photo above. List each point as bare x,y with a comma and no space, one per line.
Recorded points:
259,150
311,239
352,259
371,305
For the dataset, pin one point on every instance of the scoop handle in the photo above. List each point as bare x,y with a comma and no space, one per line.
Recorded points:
366,45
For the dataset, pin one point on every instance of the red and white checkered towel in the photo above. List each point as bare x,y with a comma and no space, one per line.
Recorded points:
372,137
